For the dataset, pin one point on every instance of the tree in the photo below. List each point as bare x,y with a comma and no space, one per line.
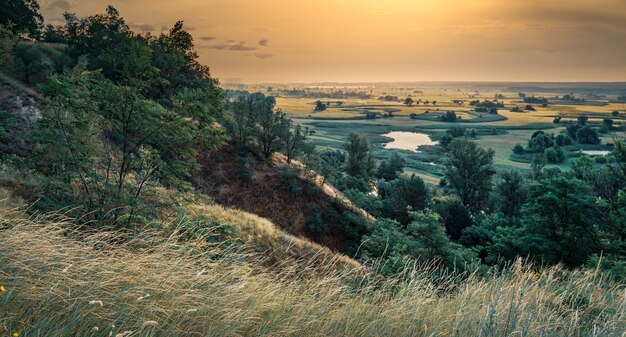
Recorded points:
559,221
468,170
423,240
409,101
537,165
455,216
360,161
319,106
22,16
554,155
272,126
406,195
512,193
296,139
110,142
540,141
587,135
30,63
392,168
450,116
518,149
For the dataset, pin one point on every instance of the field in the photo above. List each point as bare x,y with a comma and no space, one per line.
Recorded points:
348,113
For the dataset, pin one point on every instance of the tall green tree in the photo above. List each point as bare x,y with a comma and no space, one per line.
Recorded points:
406,195
22,16
390,169
108,143
511,193
559,221
469,170
360,162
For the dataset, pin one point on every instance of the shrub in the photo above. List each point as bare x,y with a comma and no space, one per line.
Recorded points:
450,116
314,223
554,155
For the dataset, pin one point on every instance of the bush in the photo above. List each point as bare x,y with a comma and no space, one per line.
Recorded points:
554,155
600,160
450,116
518,149
587,135
563,140
314,223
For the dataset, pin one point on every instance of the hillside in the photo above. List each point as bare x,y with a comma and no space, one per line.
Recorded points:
277,191
155,286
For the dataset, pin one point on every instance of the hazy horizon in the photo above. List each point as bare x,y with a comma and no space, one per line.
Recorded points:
370,41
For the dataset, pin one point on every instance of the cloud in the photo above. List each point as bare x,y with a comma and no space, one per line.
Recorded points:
264,42
234,46
144,27
59,4
263,55
206,38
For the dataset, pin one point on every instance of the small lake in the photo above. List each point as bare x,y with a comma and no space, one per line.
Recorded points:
409,141
595,152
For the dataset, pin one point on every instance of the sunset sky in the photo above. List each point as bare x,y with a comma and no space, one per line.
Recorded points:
389,40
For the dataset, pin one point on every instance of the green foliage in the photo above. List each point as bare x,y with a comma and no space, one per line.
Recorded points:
512,194
540,141
22,16
554,155
468,170
112,143
423,239
160,66
368,202
450,117
360,161
314,223
319,106
257,125
559,221
291,177
6,123
587,135
518,149
392,168
455,216
563,139
30,64
405,195
537,165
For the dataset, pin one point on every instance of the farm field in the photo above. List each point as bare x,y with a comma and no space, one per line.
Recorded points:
374,116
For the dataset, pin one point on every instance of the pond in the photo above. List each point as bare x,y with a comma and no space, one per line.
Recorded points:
409,141
595,152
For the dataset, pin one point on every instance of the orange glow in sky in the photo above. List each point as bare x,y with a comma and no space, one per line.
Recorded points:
389,40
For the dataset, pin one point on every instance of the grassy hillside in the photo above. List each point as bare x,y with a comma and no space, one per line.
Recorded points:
164,286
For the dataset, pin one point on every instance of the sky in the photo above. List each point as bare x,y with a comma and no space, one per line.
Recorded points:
388,40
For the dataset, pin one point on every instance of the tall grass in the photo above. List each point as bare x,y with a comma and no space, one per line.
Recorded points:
59,282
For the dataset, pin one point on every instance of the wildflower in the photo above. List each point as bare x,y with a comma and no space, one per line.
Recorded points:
15,334
96,302
2,288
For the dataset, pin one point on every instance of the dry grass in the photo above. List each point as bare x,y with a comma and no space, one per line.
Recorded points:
57,285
